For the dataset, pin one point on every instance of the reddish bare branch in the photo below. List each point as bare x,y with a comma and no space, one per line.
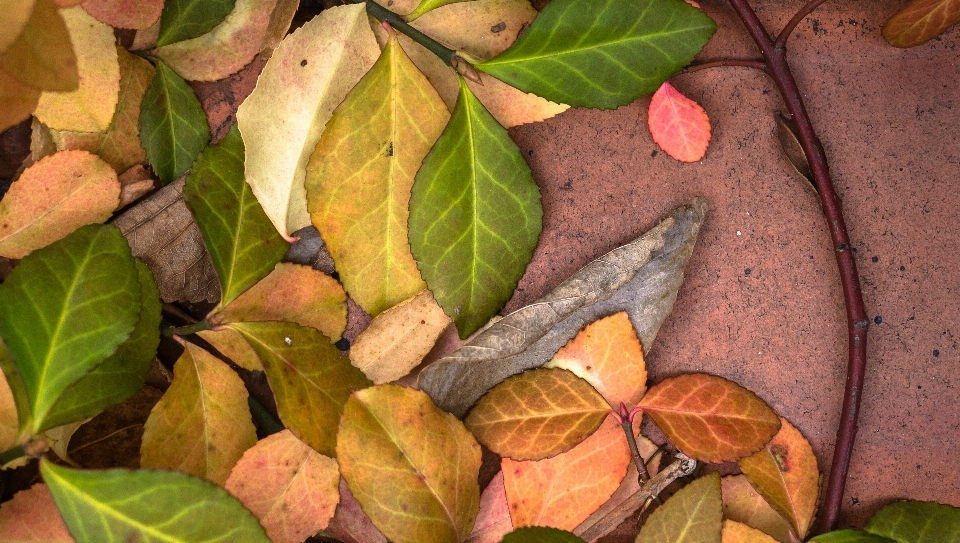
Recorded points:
800,15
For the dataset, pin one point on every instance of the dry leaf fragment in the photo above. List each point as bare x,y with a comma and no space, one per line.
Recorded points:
134,184
32,516
735,532
641,278
678,124
742,503
18,100
136,14
493,520
350,524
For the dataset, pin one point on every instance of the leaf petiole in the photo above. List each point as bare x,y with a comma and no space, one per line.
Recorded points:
186,330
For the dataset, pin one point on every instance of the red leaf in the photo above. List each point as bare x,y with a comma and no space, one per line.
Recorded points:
678,124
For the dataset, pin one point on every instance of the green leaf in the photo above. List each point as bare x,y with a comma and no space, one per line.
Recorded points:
428,5
850,536
147,506
66,308
173,126
692,515
475,216
539,534
187,19
602,53
241,240
917,522
121,375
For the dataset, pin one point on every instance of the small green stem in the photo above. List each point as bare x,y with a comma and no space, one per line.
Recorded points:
265,420
12,454
186,330
384,15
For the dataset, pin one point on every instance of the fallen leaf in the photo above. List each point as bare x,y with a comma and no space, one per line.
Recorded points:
281,121
89,108
641,278
921,21
16,13
710,418
162,233
360,175
290,488
350,524
42,55
493,520
146,38
279,27
608,355
735,532
785,473
850,536
9,423
32,516
135,183
112,439
396,434
19,101
232,344
916,522
742,503
187,19
678,124
396,340
293,293
790,143
563,491
202,425
539,534
692,515
125,13
54,197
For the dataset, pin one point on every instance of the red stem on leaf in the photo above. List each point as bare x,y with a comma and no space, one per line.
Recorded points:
776,65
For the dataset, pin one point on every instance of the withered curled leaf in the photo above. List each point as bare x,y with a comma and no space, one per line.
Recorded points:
790,142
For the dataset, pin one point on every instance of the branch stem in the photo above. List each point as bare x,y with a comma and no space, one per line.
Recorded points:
186,330
384,15
627,425
12,454
807,9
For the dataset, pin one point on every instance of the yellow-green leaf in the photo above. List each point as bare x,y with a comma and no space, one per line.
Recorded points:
42,55
735,532
692,515
16,13
742,503
231,344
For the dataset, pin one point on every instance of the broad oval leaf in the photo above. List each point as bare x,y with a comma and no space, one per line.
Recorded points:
537,414
42,56
173,126
411,466
475,216
138,14
921,21
287,485
309,377
692,515
916,522
678,124
493,519
540,534
66,308
710,418
785,473
202,425
243,244
117,506
32,516
742,503
850,536
735,532
602,53
184,19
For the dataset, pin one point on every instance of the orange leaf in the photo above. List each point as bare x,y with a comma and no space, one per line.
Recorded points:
608,355
678,124
561,492
710,418
537,414
287,485
493,520
785,473
735,532
32,516
18,100
921,21
136,14
692,515
742,503
350,524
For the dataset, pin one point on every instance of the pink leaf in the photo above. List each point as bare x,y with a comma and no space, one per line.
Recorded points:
678,124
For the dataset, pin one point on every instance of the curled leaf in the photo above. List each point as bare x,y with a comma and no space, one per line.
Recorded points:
678,124
790,143
921,21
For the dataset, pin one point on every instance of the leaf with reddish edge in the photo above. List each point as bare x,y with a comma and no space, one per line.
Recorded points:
32,516
42,55
293,293
608,355
202,424
537,414
411,466
350,524
232,344
54,197
785,473
18,100
742,503
493,520
735,532
678,124
309,377
136,14
563,491
710,418
287,485
921,21
692,515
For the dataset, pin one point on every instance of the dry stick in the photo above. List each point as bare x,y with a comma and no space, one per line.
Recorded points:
775,56
755,64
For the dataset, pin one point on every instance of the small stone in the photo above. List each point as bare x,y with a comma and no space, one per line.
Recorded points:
878,319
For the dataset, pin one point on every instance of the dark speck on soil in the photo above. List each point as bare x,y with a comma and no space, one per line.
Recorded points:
878,319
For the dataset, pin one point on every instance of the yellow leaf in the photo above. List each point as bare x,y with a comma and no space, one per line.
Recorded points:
42,56
16,13
742,503
735,532
231,344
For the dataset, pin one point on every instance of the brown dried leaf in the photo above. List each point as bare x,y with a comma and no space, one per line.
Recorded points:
112,439
32,516
735,532
350,524
790,142
641,278
742,503
135,183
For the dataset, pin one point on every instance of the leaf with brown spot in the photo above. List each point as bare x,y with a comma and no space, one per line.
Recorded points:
202,425
54,197
32,516
563,491
136,14
493,520
537,414
742,503
350,524
290,488
232,344
608,355
735,532
411,466
18,100
42,55
692,515
710,418
921,21
786,474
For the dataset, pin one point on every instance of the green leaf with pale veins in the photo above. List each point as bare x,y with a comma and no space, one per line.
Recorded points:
475,216
119,506
173,126
242,242
187,19
692,515
917,522
602,53
65,309
360,175
540,534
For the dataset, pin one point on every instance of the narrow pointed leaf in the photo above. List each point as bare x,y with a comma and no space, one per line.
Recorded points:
243,244
202,425
742,503
66,308
622,51
173,126
493,519
678,124
118,506
475,216
32,517
537,414
309,377
710,418
850,536
921,21
917,522
692,515
42,55
185,19
397,434
540,534
137,14
735,532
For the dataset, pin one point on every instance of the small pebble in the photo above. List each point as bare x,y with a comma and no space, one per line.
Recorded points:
747,271
936,353
875,259
878,319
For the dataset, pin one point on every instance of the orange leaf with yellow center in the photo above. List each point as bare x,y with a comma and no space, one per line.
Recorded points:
289,487
136,14
678,124
32,516
710,418
735,532
537,414
742,503
921,21
493,520
608,355
561,492
785,473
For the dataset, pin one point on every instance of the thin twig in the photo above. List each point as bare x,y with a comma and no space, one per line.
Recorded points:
745,63
807,9
186,330
625,418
